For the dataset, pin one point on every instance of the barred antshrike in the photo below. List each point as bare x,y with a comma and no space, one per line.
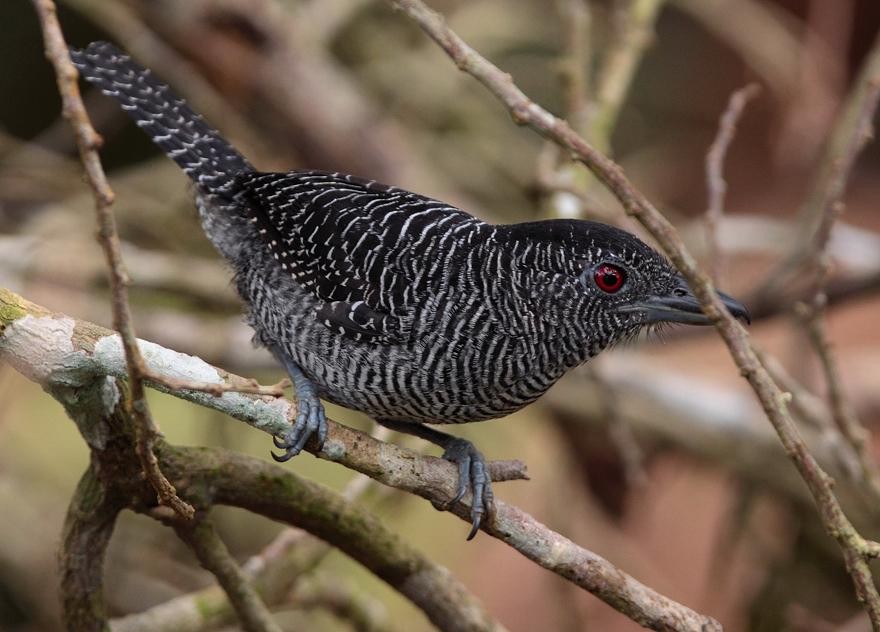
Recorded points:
397,305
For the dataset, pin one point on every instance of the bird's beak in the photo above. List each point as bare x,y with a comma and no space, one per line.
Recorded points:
681,306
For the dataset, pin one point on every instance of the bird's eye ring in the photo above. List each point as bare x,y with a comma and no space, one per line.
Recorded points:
609,278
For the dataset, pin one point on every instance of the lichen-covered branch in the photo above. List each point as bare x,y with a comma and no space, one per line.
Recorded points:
88,141
69,360
526,112
49,348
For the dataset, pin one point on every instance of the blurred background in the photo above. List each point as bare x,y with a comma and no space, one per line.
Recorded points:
656,456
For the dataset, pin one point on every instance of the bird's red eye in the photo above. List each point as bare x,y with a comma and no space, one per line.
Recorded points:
609,278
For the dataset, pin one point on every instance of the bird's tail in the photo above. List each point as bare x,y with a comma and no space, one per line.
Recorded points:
199,149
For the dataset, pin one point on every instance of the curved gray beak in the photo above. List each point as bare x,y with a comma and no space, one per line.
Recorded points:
681,306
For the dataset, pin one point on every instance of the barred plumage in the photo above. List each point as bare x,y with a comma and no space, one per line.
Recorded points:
395,304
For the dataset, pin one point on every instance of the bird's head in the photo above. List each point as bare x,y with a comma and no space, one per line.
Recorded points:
612,285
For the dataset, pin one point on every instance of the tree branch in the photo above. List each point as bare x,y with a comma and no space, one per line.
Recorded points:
66,357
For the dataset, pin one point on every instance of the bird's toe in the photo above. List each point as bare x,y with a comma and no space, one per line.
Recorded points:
473,476
310,420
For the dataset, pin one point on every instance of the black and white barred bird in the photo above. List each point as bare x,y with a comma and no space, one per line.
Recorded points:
397,305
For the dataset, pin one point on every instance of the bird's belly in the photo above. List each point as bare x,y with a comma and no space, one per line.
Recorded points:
431,379
394,383
428,381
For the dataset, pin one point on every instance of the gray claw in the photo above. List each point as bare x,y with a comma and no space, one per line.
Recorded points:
310,419
473,475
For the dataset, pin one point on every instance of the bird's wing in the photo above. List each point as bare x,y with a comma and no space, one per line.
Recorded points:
368,252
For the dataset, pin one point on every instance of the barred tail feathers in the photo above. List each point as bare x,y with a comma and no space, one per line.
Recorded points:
187,139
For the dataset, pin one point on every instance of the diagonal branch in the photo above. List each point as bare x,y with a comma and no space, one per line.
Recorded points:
88,141
526,112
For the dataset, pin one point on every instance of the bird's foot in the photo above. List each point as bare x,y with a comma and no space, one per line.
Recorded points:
473,475
310,419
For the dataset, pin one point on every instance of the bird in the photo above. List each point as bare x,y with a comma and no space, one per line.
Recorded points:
397,305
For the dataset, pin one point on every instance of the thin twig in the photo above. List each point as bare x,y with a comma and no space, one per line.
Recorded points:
563,181
807,406
594,113
525,112
213,555
566,183
89,141
813,411
849,147
217,388
813,311
827,183
715,183
854,433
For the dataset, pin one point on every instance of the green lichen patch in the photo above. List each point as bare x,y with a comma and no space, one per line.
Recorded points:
12,308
